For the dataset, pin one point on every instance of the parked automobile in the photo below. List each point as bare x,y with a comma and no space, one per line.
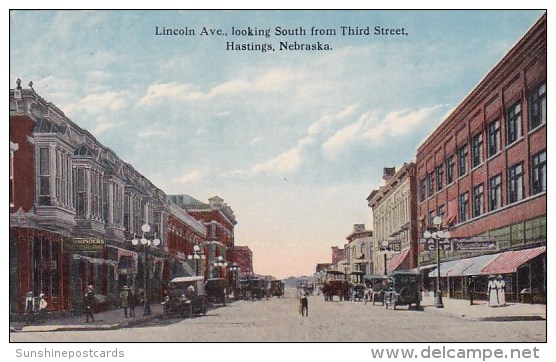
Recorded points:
186,297
215,289
253,288
404,288
357,292
375,286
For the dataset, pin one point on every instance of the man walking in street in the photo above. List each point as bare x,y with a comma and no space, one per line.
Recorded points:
89,303
131,301
124,296
304,304
471,289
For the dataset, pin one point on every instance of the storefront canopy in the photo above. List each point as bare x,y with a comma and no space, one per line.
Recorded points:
508,262
499,263
398,261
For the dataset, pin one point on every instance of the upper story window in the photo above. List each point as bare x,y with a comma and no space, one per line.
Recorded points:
493,137
44,176
538,172
462,160
476,150
463,206
422,190
515,183
478,200
537,106
513,123
430,184
439,173
13,148
495,192
449,170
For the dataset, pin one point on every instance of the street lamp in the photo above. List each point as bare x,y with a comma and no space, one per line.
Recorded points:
437,234
220,263
234,269
146,243
197,255
385,249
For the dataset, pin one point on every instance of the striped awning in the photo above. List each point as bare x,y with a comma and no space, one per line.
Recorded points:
508,261
398,261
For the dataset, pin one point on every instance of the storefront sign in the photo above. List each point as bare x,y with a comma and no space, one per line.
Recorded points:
83,244
395,245
470,244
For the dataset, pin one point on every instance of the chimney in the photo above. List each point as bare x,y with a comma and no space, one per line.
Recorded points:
388,173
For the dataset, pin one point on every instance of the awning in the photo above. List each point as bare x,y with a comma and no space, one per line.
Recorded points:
334,272
445,268
479,262
452,211
398,261
508,261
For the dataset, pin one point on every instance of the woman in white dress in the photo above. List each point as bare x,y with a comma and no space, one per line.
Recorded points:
501,289
492,292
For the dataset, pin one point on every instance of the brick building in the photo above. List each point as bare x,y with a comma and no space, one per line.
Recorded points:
483,170
359,252
243,257
75,208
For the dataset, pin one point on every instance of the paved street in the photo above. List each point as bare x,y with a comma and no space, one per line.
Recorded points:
278,320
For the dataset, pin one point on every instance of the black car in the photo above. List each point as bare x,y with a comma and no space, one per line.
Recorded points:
404,288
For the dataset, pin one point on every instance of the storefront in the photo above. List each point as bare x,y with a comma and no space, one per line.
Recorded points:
524,273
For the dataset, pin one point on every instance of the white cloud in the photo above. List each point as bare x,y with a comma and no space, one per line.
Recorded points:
103,124
100,102
287,161
370,127
256,140
189,177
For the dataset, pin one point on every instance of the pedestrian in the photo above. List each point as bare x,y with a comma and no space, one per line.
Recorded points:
29,307
131,301
42,307
89,303
304,304
471,289
124,295
501,289
492,291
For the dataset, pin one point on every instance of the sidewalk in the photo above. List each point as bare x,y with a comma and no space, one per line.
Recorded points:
480,310
112,319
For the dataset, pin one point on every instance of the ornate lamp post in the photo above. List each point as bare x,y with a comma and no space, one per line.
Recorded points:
220,263
197,255
145,244
436,234
234,269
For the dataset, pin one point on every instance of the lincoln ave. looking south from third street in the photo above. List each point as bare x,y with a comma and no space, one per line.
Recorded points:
387,186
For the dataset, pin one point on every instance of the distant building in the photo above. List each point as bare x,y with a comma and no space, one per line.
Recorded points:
394,208
243,257
219,219
359,252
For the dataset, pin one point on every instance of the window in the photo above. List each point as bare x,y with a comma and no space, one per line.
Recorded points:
12,174
422,190
430,216
81,194
495,192
513,123
515,183
449,170
493,138
462,160
476,150
430,185
439,172
463,206
538,173
537,105
478,200
440,211
44,176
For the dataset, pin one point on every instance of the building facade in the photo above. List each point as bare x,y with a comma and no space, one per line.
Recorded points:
394,211
243,257
483,171
359,252
75,208
219,220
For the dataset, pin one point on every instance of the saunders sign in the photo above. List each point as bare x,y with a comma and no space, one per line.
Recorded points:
83,244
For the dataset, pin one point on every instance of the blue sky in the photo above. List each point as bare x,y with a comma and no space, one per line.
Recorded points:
293,141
